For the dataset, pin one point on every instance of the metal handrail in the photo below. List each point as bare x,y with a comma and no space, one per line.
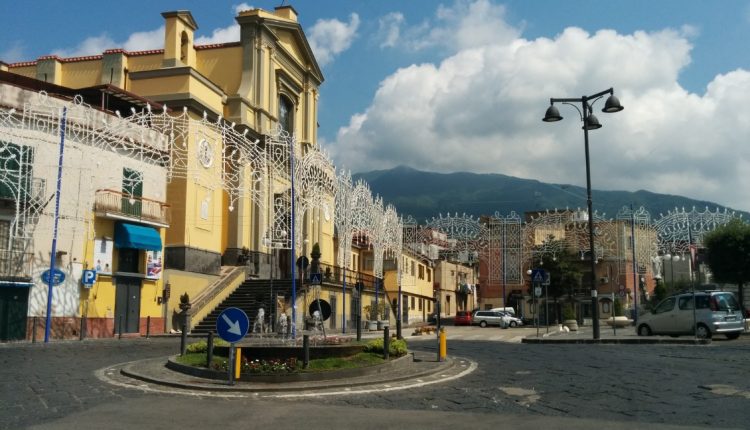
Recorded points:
132,206
16,264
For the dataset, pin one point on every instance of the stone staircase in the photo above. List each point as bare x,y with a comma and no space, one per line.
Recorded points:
250,296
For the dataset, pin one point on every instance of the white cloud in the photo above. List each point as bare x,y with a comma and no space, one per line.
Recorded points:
463,25
13,53
90,46
221,35
95,45
389,29
241,7
330,37
480,110
145,40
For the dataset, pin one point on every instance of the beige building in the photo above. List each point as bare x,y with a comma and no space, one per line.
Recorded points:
258,92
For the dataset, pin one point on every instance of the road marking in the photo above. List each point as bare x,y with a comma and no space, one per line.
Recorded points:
473,366
104,376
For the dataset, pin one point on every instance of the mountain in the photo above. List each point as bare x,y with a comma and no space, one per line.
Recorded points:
424,195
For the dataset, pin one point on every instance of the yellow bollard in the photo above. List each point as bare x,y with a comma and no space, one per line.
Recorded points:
443,344
237,362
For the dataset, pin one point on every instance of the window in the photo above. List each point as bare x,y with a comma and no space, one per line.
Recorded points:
4,234
421,303
16,170
606,306
429,305
132,191
665,306
685,303
286,120
412,268
184,41
421,271
412,303
429,275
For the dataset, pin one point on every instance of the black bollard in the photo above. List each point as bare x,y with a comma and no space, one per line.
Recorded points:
386,343
82,330
183,340
306,350
148,326
210,349
359,328
119,327
33,330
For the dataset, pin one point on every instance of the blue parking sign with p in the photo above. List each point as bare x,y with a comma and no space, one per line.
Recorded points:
88,277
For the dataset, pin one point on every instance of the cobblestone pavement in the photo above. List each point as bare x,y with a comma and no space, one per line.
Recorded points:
522,385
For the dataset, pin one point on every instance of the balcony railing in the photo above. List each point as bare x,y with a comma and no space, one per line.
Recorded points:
15,265
139,208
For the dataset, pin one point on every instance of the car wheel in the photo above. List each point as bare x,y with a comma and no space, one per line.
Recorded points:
513,324
732,336
703,332
644,330
483,324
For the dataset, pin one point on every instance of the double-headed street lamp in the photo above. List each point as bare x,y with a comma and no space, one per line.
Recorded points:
590,122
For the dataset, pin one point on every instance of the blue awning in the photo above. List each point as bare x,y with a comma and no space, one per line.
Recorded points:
137,236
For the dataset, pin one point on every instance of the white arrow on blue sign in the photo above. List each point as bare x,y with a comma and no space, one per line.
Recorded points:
232,324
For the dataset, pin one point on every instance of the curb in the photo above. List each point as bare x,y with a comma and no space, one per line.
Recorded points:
629,341
333,379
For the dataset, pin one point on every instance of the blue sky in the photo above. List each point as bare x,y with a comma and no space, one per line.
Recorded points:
461,85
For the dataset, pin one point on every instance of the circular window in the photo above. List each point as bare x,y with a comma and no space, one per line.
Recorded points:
205,153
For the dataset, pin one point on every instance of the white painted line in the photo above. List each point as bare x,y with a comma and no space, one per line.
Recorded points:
471,368
101,374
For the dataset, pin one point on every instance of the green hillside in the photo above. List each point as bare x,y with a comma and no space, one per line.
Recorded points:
427,194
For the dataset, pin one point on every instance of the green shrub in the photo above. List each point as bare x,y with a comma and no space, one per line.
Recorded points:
618,308
202,346
396,348
568,312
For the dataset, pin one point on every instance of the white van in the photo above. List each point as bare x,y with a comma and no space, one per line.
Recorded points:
509,310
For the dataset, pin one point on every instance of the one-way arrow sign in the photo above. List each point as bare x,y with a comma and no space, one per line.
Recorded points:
232,324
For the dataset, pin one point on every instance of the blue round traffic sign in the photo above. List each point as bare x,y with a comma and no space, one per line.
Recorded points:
54,277
232,324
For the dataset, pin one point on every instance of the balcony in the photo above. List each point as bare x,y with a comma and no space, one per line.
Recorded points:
116,205
15,265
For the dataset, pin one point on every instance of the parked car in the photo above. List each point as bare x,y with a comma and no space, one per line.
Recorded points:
462,318
485,318
513,321
718,312
508,310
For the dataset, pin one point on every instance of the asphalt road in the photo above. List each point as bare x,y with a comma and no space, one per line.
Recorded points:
522,386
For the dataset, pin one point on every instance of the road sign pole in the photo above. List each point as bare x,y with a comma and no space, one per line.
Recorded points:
230,367
536,308
53,252
546,306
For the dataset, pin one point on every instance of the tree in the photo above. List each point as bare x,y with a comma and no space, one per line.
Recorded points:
564,273
728,254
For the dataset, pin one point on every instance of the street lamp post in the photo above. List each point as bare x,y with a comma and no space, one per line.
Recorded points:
590,122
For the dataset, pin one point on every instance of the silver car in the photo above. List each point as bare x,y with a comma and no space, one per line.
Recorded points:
485,318
718,312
